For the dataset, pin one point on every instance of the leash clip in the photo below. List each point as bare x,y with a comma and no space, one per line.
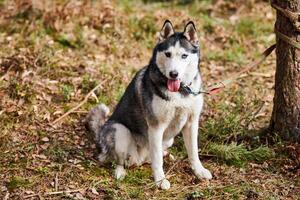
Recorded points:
188,90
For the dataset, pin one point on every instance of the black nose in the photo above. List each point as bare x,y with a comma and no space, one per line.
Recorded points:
173,74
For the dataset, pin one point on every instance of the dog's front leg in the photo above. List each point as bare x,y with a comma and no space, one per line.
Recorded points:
190,136
155,136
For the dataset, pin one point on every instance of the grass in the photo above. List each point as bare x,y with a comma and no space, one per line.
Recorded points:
239,155
17,182
53,55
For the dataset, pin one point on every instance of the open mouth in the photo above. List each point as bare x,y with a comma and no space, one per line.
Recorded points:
173,85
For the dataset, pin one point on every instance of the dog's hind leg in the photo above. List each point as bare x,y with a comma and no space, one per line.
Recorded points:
123,145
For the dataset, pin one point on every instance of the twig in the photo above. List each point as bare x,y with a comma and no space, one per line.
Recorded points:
255,114
81,111
172,167
207,155
95,97
80,104
53,193
6,197
56,182
205,146
185,188
152,184
40,197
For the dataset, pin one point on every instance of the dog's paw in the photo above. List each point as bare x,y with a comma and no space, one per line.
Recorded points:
203,173
120,172
164,184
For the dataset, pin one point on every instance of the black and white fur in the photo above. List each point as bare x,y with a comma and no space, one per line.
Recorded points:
149,116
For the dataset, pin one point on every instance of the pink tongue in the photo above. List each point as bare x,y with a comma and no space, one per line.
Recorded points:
173,85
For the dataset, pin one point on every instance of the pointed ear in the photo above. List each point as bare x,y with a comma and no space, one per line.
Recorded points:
166,31
191,34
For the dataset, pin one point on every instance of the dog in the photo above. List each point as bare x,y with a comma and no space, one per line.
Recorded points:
162,100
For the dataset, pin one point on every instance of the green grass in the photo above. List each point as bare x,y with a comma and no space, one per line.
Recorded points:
66,91
21,91
143,29
239,155
137,176
57,153
253,27
18,182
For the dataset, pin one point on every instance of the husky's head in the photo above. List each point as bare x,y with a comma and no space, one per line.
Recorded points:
177,55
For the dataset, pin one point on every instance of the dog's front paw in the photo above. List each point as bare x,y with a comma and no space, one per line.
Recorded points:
163,184
120,172
203,173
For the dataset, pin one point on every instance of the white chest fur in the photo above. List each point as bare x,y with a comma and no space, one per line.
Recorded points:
174,114
165,110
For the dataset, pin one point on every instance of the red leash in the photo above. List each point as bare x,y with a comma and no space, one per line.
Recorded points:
214,89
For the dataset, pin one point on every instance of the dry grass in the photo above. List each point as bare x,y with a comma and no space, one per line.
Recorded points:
54,52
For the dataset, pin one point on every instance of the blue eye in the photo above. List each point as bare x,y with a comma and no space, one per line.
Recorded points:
168,54
184,56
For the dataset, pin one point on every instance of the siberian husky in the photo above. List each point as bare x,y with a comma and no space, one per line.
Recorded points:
162,100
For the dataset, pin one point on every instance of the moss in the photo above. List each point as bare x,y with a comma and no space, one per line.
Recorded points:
87,84
18,90
17,182
195,195
137,176
43,170
99,171
136,193
57,153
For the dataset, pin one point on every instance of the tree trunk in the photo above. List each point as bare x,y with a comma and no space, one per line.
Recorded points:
286,111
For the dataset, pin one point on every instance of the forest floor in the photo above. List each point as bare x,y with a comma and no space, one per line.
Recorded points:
54,52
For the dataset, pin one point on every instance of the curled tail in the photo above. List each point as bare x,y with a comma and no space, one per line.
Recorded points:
95,119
